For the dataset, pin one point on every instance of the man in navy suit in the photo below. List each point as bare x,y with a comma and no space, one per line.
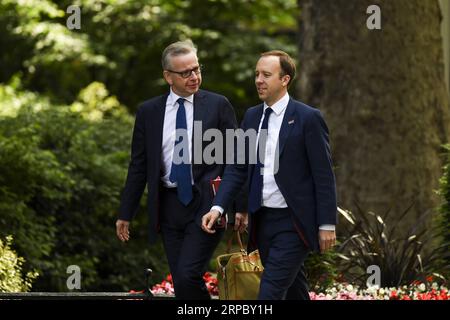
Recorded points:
166,157
292,194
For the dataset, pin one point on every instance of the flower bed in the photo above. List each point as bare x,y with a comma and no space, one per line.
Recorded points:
415,291
340,291
166,286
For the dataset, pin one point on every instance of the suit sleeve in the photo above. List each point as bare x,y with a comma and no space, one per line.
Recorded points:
233,182
240,203
319,156
229,122
137,171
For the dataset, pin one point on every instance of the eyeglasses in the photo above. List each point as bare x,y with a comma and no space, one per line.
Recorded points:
187,73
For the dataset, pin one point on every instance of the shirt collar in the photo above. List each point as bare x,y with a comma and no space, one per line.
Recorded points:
173,97
279,106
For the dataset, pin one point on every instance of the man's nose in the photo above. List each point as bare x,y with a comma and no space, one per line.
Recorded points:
193,75
258,79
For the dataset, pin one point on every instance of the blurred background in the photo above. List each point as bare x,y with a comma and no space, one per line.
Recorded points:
67,104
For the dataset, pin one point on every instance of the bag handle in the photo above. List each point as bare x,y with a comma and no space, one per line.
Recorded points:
239,240
238,236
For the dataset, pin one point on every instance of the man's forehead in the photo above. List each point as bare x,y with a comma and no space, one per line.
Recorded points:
270,63
188,58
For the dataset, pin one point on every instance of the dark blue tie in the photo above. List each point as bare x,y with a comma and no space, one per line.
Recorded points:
256,182
181,173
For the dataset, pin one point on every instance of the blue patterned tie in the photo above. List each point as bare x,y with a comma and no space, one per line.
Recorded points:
256,183
181,173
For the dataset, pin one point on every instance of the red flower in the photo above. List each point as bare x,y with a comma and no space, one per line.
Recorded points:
166,286
393,295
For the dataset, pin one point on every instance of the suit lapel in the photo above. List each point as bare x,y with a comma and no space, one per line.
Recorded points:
286,125
199,106
158,124
200,109
254,124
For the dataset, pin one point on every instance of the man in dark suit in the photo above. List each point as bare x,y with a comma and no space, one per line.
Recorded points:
167,156
292,194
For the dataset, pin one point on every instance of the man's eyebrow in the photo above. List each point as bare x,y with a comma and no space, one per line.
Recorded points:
190,68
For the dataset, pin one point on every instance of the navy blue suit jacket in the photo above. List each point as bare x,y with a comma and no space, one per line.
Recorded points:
305,176
214,111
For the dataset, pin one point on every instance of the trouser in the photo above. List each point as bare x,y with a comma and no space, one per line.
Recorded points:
282,254
188,248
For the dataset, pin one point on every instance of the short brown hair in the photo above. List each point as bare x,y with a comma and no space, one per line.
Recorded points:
287,64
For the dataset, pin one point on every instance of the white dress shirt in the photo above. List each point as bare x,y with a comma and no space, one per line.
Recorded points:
271,194
169,131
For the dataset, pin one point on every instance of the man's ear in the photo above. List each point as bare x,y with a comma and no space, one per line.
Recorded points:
285,79
167,77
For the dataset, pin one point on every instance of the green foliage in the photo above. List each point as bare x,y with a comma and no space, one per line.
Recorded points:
376,240
61,171
120,44
11,278
321,270
444,216
37,45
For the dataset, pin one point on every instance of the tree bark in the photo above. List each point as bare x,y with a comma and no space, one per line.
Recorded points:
383,95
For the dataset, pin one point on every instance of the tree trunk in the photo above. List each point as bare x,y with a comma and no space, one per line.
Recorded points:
383,95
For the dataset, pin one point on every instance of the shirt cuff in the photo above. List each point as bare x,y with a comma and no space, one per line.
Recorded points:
327,227
218,208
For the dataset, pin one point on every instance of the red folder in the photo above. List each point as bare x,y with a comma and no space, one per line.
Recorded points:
222,221
215,184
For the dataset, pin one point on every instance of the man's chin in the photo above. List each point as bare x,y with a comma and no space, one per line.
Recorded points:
193,90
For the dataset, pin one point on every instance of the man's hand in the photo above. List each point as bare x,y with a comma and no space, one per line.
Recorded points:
241,221
209,220
327,239
122,231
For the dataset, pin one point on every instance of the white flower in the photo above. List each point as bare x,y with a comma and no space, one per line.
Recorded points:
381,292
349,287
372,290
422,287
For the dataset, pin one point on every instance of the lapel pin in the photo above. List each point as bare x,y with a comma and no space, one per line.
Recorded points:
291,121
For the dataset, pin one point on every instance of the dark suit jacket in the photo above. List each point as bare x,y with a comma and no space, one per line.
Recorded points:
215,111
305,176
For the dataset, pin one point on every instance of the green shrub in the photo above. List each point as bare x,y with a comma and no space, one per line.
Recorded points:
61,172
321,270
444,215
11,277
375,240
